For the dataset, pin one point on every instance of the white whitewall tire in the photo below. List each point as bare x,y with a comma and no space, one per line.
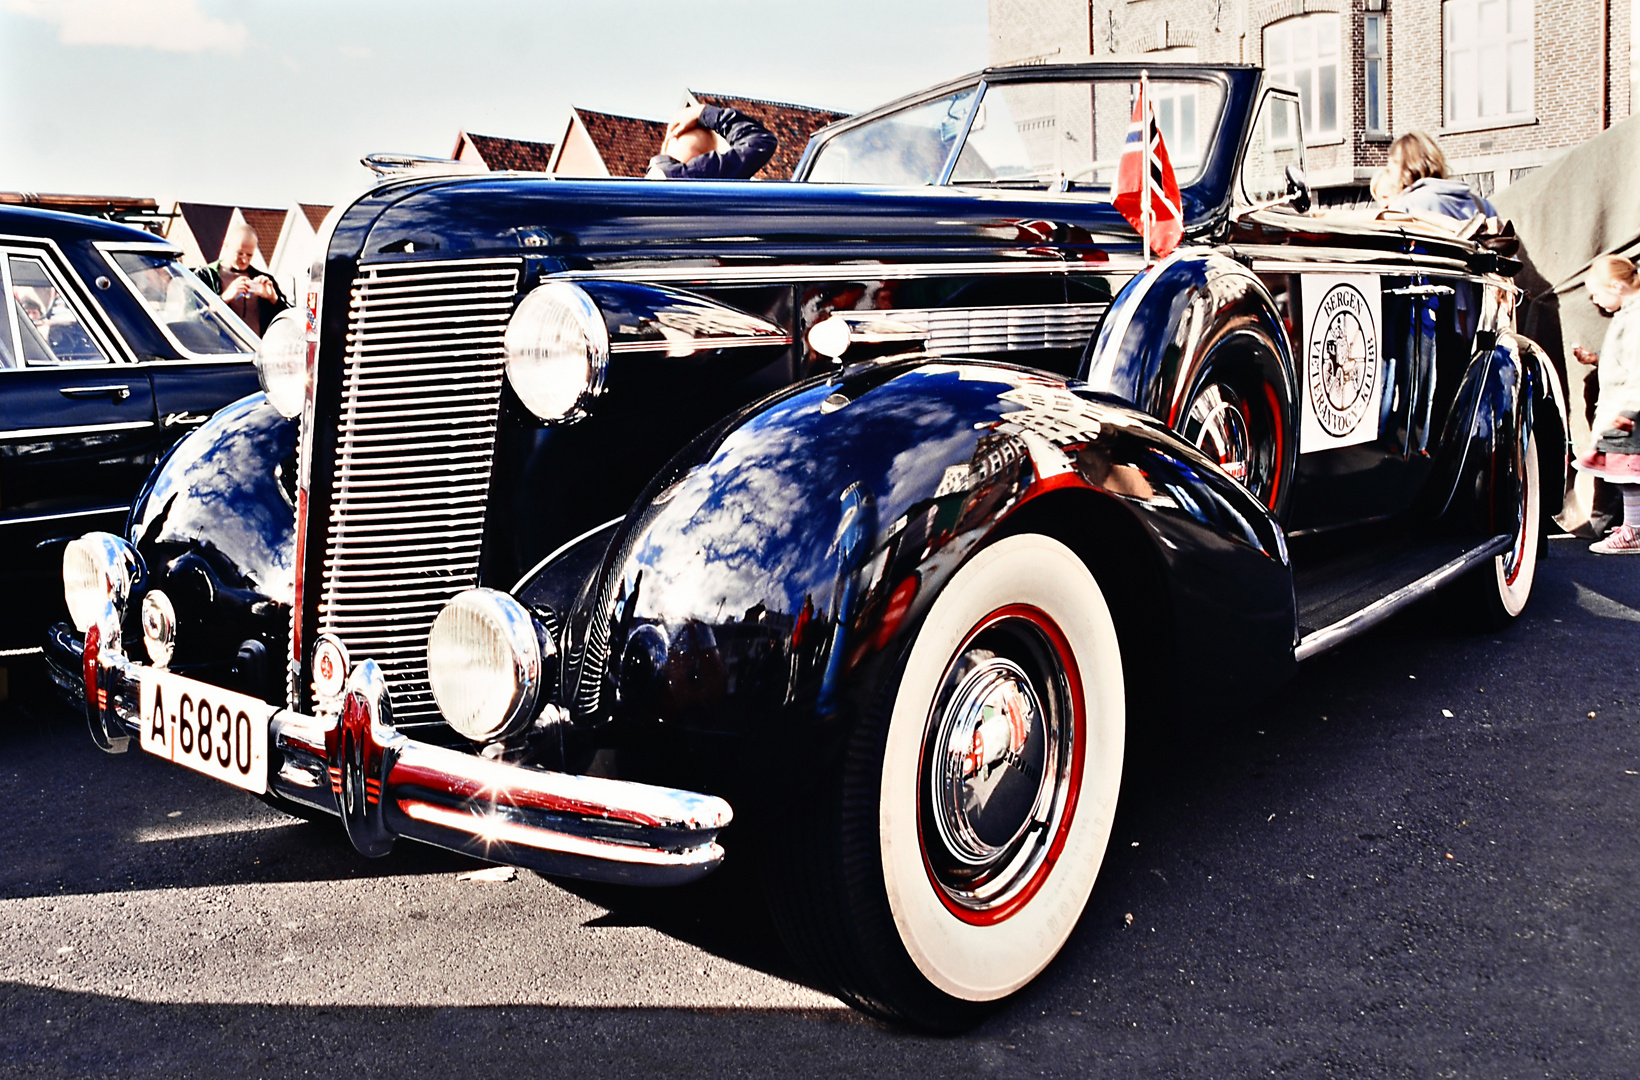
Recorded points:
979,930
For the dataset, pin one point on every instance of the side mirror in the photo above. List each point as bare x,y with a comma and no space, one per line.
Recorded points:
1298,189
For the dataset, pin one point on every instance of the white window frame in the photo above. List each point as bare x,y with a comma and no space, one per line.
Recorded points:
1374,74
1322,32
1487,62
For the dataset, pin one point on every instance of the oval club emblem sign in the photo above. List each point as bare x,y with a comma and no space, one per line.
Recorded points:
1342,366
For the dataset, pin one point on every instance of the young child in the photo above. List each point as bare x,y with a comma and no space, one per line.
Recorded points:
1614,287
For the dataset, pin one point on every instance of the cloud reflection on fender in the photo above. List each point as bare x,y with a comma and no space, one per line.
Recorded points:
218,490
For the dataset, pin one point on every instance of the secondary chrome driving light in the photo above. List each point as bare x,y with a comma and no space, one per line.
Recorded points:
485,660
281,363
98,570
159,628
557,351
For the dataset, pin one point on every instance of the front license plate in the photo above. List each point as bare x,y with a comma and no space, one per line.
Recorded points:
213,731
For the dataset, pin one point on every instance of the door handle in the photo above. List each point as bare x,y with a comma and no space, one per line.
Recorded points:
1422,290
184,419
117,391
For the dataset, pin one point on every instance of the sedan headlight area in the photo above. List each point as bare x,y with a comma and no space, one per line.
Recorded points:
557,351
281,363
98,571
485,661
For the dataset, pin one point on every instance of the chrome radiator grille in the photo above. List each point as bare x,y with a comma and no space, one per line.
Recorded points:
415,438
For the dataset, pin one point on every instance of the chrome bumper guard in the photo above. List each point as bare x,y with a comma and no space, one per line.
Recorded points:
384,785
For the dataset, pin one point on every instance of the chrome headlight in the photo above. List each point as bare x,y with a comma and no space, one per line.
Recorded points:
98,571
281,363
485,661
557,351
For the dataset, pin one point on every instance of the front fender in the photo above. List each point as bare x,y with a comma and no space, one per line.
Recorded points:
769,580
215,527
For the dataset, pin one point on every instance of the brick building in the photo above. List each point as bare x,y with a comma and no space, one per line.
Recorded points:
1506,85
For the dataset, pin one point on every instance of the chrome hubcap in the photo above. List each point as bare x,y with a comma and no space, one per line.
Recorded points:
996,766
1218,425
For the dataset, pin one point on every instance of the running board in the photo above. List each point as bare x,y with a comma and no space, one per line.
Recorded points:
1321,640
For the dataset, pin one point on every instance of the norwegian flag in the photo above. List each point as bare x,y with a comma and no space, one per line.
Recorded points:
1147,194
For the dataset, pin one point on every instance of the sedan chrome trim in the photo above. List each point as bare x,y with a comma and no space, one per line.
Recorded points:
1319,641
30,519
28,434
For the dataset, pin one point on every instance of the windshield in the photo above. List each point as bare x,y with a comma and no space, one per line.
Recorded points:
183,307
1060,134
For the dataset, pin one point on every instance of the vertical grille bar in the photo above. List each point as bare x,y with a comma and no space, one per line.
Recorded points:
415,437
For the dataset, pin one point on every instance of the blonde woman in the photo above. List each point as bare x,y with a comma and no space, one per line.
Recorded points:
1414,181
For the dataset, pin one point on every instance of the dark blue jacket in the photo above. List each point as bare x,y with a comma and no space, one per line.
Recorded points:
751,145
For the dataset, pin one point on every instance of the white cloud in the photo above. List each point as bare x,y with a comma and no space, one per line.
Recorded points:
171,25
355,52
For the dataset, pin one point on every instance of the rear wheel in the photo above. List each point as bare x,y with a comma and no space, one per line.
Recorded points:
1233,418
975,807
1501,589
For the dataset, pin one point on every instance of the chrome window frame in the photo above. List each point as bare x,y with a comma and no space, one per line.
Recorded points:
108,248
100,326
1268,90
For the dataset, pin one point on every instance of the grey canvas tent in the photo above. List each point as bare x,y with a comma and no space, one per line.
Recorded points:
1585,203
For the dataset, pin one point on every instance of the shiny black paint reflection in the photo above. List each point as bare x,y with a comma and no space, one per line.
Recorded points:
772,576
1193,319
215,527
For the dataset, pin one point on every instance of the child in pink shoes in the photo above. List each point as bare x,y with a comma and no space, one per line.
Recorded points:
1614,287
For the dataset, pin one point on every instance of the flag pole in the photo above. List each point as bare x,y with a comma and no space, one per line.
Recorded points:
1144,158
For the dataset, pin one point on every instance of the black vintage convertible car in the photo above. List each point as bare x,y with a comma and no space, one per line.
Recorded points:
109,353
883,507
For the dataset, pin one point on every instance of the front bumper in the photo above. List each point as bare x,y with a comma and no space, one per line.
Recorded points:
384,785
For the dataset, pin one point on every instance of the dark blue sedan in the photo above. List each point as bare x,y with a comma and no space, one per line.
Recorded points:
110,351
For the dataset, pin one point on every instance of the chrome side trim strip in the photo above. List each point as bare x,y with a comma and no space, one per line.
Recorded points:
25,434
696,345
559,550
856,271
1376,612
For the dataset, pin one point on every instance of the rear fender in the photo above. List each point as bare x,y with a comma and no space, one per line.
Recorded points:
770,579
1505,392
1175,324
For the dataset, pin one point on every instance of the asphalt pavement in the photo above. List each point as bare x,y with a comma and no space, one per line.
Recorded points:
1420,858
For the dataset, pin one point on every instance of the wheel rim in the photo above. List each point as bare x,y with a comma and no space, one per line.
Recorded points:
1218,425
1001,765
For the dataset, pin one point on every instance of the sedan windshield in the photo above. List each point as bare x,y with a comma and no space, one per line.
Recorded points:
1058,134
183,307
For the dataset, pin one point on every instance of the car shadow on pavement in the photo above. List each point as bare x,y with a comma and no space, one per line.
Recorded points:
1416,856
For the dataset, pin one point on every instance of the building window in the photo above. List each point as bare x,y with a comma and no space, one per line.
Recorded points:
1373,82
1488,60
1302,53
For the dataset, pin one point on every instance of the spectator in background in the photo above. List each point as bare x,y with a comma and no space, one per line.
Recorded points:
1614,288
690,152
1414,181
252,293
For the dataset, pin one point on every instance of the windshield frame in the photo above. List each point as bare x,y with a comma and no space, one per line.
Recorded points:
982,82
247,337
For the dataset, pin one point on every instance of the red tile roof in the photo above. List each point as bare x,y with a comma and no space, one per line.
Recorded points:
791,124
501,154
267,224
626,143
314,213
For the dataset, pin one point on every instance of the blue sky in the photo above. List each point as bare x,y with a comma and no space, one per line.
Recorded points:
262,103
